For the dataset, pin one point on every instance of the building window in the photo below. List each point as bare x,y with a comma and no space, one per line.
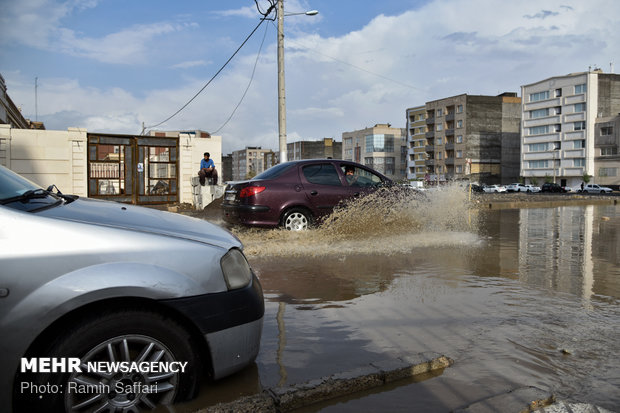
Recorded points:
557,127
439,155
439,141
368,162
603,172
439,112
580,125
539,130
609,151
439,127
459,153
540,164
539,113
580,89
558,110
580,107
579,162
459,138
459,109
607,130
459,123
420,117
538,147
459,169
379,143
558,93
535,97
580,144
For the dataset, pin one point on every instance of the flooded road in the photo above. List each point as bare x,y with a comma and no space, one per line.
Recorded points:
527,297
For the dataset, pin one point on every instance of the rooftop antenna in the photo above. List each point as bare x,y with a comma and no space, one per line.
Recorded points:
611,67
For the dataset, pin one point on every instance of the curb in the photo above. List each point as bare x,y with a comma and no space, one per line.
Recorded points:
376,374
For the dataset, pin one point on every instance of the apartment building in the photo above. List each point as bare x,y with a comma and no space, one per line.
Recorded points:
416,143
606,156
325,148
568,128
248,162
380,147
472,137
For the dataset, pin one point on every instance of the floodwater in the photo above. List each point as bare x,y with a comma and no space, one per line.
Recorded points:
523,297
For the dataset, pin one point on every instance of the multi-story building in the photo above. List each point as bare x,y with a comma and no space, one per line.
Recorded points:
473,137
248,162
416,139
381,147
559,117
606,156
326,148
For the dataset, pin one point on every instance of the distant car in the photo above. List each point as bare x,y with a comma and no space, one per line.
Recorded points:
551,187
494,188
595,189
296,194
101,282
476,188
518,187
533,188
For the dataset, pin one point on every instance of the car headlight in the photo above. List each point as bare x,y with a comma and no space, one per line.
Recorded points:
237,271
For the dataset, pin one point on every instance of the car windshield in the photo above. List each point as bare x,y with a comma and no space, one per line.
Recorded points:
275,171
20,193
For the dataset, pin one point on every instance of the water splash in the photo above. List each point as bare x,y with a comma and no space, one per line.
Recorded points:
388,221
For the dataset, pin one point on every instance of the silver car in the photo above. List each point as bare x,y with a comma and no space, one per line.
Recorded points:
113,307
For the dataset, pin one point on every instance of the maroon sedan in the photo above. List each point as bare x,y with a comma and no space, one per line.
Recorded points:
296,194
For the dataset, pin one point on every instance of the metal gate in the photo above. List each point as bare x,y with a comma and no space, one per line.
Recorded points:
133,169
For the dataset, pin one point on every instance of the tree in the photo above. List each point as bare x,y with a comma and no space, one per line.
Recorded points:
534,181
548,179
586,178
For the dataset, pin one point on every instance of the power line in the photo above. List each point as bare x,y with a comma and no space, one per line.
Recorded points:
216,74
352,65
248,87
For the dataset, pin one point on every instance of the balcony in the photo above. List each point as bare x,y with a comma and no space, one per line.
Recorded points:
449,161
429,162
429,148
449,132
450,116
430,121
605,140
430,135
449,146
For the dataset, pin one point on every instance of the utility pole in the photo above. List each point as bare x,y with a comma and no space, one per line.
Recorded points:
281,92
36,99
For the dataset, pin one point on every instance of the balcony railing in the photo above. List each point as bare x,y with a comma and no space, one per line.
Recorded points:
430,121
449,146
449,132
429,162
449,161
604,140
429,148
430,134
450,116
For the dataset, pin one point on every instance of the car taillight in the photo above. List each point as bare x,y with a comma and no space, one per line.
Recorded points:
250,190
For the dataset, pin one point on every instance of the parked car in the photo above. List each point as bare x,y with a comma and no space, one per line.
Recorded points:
476,188
533,188
518,187
494,188
595,189
296,194
551,187
87,281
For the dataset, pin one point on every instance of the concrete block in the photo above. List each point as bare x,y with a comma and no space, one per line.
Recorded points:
523,399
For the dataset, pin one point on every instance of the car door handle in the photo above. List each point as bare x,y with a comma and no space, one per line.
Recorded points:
314,193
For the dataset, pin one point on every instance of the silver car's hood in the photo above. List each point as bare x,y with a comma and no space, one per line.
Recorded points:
113,214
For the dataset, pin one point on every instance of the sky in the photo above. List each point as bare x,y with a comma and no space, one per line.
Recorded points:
112,66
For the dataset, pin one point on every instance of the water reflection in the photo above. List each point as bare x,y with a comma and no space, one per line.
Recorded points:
566,249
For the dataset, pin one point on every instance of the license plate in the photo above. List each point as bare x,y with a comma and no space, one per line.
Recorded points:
230,197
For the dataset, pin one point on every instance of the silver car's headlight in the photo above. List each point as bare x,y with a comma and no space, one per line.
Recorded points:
237,271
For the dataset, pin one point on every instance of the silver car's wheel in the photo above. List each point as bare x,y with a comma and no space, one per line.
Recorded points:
296,220
112,347
123,391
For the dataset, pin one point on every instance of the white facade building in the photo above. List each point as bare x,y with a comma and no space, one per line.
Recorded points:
558,120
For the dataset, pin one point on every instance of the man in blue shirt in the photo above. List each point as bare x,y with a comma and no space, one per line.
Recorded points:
207,169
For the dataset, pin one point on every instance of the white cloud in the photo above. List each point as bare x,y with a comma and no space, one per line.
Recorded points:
445,48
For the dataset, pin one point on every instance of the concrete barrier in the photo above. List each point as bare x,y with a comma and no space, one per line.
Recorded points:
282,399
204,195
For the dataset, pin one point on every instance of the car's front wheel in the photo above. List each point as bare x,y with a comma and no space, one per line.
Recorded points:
129,361
296,219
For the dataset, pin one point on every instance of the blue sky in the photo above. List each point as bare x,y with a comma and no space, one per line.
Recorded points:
110,65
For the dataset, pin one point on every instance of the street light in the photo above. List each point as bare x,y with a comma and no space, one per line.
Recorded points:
281,91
